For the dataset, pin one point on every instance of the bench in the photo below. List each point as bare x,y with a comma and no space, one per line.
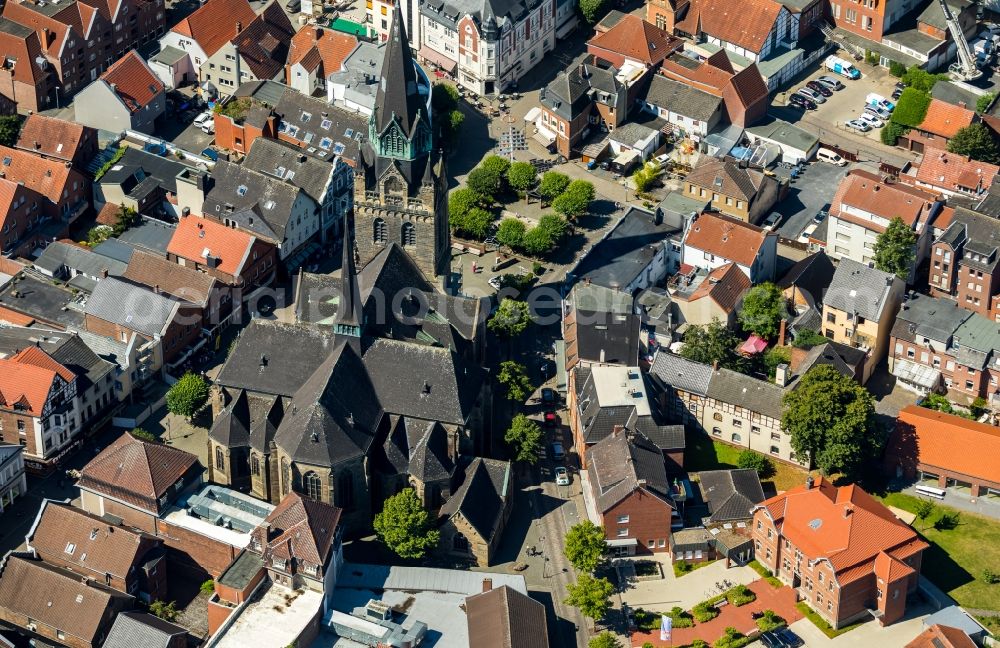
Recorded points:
931,491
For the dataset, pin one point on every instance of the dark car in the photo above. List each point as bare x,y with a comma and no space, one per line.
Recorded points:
770,641
801,102
548,395
788,638
820,88
820,215
551,420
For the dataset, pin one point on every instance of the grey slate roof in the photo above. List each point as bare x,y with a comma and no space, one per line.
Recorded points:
631,133
131,306
151,235
812,274
134,629
730,494
430,460
744,391
241,193
569,93
935,318
856,288
397,98
845,359
626,251
77,356
115,249
138,166
682,98
622,463
8,451
286,162
977,334
976,233
58,256
482,496
682,374
499,15
231,427
316,121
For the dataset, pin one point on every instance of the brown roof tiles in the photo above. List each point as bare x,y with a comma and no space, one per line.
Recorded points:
214,23
173,279
636,39
324,47
868,192
746,24
299,528
942,636
52,137
24,386
724,285
726,237
948,442
194,236
48,177
944,119
264,42
505,618
132,80
953,172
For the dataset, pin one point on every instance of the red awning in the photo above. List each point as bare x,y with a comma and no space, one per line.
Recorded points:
438,59
753,345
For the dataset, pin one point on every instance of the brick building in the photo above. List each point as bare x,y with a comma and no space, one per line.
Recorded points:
844,553
474,517
236,258
58,139
32,85
745,96
964,262
64,191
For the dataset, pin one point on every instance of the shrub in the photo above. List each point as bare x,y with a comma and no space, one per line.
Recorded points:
911,107
163,610
924,509
740,596
978,407
948,521
682,567
897,69
110,163
750,459
207,587
871,58
144,435
769,621
732,639
704,612
892,132
990,577
984,102
807,339
699,643
680,618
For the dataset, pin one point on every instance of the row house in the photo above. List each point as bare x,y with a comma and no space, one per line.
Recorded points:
13,482
862,209
28,80
80,40
22,225
689,112
714,239
730,407
846,555
487,53
951,174
314,54
58,139
964,263
698,296
59,193
744,93
859,309
738,191
257,51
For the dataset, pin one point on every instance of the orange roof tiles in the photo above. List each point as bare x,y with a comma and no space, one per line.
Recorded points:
944,119
50,136
948,442
47,177
132,80
195,235
325,47
725,285
953,172
867,191
941,636
843,524
636,39
746,24
214,23
22,43
7,316
726,237
24,387
33,355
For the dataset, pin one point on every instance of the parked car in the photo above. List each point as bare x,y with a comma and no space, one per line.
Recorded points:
896,94
562,476
830,82
801,101
208,127
557,451
661,160
210,154
201,119
772,222
809,93
871,120
820,215
878,111
820,88
770,641
858,125
874,98
550,419
788,638
549,396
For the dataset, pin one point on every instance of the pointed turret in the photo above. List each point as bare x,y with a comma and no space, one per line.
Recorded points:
349,318
398,97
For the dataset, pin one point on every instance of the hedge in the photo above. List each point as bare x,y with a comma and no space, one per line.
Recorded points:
911,108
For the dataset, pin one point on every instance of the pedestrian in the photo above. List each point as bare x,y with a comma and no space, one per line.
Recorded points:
475,268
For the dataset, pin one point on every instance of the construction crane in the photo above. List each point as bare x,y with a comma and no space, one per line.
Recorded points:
964,69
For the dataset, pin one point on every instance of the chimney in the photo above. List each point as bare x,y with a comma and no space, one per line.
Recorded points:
848,509
888,280
809,482
104,273
156,289
239,26
602,356
715,365
781,333
487,584
317,34
781,373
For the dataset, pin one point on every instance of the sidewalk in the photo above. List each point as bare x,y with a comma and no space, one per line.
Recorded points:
688,590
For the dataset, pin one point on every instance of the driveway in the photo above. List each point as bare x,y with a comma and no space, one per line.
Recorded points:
688,590
867,635
808,194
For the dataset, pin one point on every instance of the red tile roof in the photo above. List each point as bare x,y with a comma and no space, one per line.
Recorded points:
746,24
299,528
327,48
48,177
944,119
50,136
725,285
24,387
948,442
14,318
175,280
214,23
34,355
26,48
135,471
845,525
955,172
132,80
941,636
108,214
726,237
194,236
638,40
868,192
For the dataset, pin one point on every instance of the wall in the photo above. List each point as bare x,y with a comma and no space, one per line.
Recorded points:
648,519
194,552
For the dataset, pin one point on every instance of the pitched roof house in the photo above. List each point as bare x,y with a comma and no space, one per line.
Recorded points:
133,629
941,122
502,617
698,296
128,95
233,256
65,190
744,93
31,86
730,495
59,139
859,558
633,43
300,538
952,174
744,193
313,55
942,636
713,240
474,517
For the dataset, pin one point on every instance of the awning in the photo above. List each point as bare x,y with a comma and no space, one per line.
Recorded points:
754,345
438,59
622,542
915,374
532,114
545,137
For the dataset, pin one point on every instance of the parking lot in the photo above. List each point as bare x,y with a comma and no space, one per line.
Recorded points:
811,192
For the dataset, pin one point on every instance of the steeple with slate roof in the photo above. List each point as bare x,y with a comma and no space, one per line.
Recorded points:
349,318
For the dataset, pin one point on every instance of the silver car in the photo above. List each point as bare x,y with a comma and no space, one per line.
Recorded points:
830,82
881,113
812,94
858,125
871,120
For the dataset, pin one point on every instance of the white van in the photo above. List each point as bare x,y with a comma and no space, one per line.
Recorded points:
826,155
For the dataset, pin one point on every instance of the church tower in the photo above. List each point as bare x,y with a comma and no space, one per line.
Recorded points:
400,193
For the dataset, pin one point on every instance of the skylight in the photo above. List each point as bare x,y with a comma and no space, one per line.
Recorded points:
325,143
242,190
326,124
338,148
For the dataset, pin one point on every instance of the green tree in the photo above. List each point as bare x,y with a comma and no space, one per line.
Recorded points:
405,527
977,142
537,240
593,10
896,69
207,587
984,102
514,377
497,166
553,184
713,343
592,596
124,219
831,420
920,79
606,639
575,201
460,202
895,248
144,435
978,407
511,232
444,98
911,108
522,176
511,318
924,509
554,225
444,103
187,395
163,610
585,546
484,182
775,356
451,129
892,132
10,128
937,402
525,439
476,223
807,339
756,461
644,177
763,309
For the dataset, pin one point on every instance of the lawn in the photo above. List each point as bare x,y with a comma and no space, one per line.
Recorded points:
681,571
703,453
957,557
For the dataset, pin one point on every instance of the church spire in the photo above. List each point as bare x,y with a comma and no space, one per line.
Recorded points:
398,97
349,317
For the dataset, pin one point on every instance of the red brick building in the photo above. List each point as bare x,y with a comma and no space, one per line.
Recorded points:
745,95
235,257
58,139
964,263
26,79
845,553
65,191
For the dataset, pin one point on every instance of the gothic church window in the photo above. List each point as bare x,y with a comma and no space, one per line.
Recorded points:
409,234
312,486
379,234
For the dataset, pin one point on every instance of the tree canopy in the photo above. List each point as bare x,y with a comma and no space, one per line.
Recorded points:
920,79
911,108
592,596
405,527
10,128
485,182
511,318
537,240
606,639
585,546
511,232
476,223
575,201
763,309
977,142
593,10
187,395
756,461
525,439
514,377
553,184
444,103
644,177
831,420
522,176
895,248
713,343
